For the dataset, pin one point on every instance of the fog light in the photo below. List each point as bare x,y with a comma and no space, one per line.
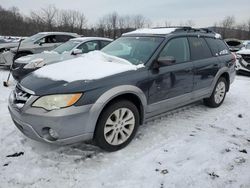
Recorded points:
53,134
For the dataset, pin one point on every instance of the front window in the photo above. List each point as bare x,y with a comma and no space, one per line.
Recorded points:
136,50
67,46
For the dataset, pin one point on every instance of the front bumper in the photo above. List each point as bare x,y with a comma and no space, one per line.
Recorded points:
71,124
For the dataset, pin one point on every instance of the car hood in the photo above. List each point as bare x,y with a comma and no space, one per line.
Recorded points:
48,57
72,75
244,52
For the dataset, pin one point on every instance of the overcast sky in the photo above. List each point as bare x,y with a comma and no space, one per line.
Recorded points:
203,13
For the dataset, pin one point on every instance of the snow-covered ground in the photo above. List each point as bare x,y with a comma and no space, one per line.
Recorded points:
193,146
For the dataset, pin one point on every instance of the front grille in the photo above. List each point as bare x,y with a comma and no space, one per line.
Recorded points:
246,57
20,96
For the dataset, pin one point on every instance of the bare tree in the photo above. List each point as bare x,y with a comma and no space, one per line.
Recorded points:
188,23
226,24
138,21
46,16
248,27
167,23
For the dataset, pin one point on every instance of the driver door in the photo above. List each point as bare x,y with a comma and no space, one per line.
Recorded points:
173,83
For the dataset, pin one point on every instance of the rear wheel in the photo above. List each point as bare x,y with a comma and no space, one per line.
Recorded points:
117,125
218,95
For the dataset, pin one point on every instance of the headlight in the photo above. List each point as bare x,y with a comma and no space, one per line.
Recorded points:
36,63
53,102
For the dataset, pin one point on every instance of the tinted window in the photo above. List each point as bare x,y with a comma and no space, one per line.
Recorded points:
177,48
88,46
199,48
104,43
63,38
48,39
217,46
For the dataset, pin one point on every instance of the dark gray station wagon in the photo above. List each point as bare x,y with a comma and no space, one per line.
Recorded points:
106,95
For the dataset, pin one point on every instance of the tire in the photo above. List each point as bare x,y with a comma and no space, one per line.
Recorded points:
117,125
218,95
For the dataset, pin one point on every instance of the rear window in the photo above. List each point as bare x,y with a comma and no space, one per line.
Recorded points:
217,46
199,48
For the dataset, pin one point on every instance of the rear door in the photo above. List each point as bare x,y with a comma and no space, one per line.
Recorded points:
205,64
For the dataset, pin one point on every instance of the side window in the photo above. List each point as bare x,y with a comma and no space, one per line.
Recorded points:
104,43
63,38
47,39
222,47
217,46
177,48
88,46
199,48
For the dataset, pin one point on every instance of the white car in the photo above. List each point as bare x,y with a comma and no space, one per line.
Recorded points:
243,59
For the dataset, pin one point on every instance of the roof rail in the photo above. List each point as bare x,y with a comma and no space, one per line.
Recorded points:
178,27
204,30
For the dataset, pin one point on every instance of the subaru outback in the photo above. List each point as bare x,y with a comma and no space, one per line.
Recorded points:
106,95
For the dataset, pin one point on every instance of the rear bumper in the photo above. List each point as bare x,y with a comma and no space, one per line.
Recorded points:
71,124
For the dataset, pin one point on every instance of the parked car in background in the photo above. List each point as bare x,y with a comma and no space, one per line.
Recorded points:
105,95
32,45
71,49
234,44
243,59
9,39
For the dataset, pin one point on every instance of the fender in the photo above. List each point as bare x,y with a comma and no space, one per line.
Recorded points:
217,76
106,97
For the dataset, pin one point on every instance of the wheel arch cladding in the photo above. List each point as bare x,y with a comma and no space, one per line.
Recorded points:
132,98
226,76
128,92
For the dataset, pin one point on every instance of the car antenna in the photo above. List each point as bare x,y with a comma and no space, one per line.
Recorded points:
6,83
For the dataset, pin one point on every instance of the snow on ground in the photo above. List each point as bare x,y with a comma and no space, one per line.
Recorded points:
193,146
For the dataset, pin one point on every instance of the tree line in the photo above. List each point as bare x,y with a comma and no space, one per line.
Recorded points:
111,25
229,28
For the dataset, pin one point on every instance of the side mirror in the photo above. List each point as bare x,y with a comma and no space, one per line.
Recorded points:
167,60
76,52
41,43
164,61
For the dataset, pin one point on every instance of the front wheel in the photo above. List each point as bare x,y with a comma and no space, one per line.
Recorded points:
117,125
218,95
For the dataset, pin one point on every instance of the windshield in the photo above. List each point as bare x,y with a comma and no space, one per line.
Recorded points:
67,46
33,38
136,50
